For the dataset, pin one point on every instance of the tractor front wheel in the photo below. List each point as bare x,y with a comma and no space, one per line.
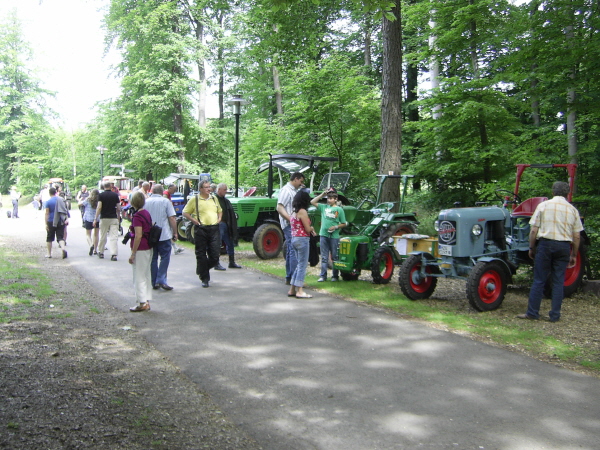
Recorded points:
268,241
486,285
382,266
412,282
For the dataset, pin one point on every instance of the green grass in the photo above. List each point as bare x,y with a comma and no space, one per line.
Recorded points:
484,325
23,286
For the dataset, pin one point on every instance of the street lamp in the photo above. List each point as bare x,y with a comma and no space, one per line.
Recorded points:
40,176
237,101
101,148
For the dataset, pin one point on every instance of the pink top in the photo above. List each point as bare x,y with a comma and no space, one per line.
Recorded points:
298,227
141,219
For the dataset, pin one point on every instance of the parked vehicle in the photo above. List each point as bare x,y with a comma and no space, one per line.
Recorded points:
485,246
65,191
373,248
258,220
123,184
187,188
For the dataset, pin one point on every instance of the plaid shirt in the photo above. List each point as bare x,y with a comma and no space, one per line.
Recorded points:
556,219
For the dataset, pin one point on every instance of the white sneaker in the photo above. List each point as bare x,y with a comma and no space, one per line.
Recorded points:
178,251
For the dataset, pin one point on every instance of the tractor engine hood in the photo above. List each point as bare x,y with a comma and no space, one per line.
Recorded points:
475,214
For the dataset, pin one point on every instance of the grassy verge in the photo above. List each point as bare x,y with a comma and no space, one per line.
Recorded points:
23,287
541,339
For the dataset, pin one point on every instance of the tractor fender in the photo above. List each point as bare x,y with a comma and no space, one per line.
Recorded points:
276,222
488,259
424,255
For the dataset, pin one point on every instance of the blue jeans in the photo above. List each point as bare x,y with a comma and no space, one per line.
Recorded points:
551,260
159,272
300,246
290,257
328,245
223,229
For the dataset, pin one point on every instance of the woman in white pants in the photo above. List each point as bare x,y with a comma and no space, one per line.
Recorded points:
141,253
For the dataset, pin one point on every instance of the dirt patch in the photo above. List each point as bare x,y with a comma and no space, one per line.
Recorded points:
75,374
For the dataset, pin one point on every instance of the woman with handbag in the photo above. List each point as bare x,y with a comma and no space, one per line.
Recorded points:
141,253
301,232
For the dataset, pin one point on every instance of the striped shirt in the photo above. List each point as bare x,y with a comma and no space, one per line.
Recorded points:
556,219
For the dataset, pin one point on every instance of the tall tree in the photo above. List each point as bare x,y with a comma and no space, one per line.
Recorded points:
391,104
22,107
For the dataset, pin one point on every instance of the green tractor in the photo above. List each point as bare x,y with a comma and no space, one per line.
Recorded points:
373,247
258,220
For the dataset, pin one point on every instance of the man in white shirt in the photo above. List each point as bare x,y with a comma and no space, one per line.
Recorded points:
554,244
163,214
284,208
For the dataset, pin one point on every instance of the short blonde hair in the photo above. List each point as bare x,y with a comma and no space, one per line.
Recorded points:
138,200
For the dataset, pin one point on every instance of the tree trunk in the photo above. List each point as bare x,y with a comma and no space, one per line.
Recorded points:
277,89
571,111
391,106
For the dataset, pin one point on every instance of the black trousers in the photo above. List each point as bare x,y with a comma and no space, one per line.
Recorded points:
208,247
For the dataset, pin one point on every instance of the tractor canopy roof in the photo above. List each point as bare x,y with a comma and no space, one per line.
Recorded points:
290,163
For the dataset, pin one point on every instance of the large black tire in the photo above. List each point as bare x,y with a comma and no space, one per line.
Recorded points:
382,266
396,230
350,276
412,285
486,285
268,241
573,276
181,229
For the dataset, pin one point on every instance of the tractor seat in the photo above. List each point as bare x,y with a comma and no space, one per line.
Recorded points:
250,191
528,206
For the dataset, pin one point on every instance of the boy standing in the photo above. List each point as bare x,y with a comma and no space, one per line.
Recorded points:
333,219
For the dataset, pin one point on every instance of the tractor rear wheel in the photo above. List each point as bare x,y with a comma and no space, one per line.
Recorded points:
181,229
399,229
573,276
412,283
486,285
382,266
268,241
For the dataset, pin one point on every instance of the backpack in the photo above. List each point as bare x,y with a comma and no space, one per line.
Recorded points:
153,235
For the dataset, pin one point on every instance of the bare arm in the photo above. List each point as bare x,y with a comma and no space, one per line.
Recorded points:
136,243
98,209
173,223
574,249
532,235
303,216
315,201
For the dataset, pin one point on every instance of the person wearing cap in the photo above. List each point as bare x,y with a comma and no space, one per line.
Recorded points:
333,219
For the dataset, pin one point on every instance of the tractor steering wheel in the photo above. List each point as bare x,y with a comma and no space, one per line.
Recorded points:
515,198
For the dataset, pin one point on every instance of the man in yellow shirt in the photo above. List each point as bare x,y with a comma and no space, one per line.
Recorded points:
553,243
205,213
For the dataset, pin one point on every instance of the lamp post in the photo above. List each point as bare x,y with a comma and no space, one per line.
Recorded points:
237,101
101,148
40,176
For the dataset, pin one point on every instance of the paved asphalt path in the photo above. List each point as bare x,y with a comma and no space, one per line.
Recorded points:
331,374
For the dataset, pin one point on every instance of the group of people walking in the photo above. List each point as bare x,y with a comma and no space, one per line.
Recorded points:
212,216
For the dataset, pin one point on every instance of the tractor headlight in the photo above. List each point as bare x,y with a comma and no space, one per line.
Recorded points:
436,225
476,230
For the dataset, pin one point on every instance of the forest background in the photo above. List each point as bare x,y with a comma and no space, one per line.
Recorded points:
506,83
